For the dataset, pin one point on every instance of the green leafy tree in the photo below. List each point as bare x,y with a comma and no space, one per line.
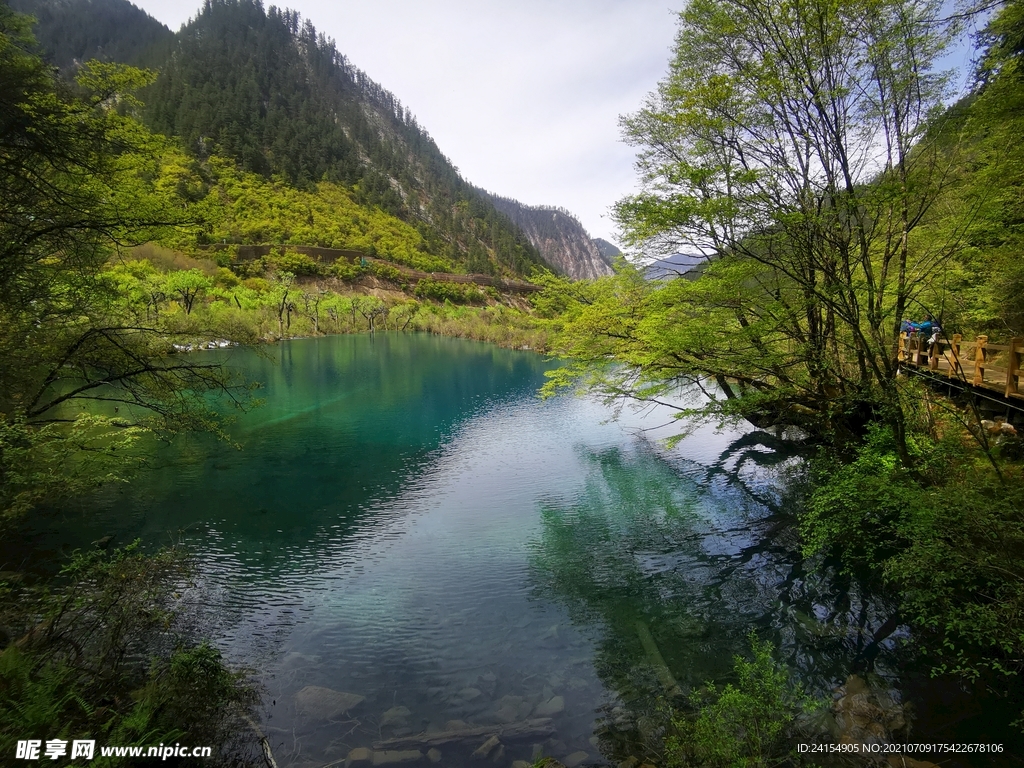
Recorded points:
188,285
371,308
787,146
75,186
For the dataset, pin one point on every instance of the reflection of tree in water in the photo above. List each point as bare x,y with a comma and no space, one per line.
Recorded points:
679,563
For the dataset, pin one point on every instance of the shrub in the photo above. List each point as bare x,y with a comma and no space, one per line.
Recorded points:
946,535
743,724
386,272
296,263
453,292
348,271
105,662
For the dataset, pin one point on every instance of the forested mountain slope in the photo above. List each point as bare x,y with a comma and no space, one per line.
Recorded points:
270,92
73,31
560,238
263,88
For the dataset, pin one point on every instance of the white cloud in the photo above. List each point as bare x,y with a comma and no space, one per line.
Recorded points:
524,97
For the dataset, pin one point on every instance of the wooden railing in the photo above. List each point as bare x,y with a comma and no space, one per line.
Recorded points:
996,367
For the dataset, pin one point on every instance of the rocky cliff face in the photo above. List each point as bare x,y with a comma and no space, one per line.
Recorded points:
561,239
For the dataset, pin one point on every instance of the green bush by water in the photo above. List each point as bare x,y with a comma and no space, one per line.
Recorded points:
946,535
745,724
105,656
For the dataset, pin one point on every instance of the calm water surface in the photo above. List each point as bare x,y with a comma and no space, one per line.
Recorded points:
408,523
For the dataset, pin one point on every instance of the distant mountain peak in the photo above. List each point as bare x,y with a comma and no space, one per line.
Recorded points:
674,265
609,251
560,237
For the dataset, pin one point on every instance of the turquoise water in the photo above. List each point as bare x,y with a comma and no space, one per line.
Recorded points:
408,523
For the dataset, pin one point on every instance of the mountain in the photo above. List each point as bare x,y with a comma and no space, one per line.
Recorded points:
263,88
609,251
266,89
73,31
673,266
561,239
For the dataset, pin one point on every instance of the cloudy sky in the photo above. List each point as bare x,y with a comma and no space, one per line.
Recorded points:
523,96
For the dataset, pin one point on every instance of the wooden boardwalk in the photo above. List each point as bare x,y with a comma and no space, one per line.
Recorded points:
994,368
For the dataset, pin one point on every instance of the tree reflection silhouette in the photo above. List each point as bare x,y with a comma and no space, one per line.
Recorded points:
691,556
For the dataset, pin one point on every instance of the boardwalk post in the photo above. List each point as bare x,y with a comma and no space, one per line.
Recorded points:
979,360
1012,366
933,356
901,350
955,369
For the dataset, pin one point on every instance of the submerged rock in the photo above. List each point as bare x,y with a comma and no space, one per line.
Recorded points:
511,709
395,716
468,694
295,659
325,703
551,633
434,755
359,755
487,747
552,706
395,756
866,714
575,759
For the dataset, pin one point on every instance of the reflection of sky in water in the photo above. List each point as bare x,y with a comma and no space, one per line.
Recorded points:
409,523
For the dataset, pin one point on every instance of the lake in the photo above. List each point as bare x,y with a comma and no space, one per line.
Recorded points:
409,540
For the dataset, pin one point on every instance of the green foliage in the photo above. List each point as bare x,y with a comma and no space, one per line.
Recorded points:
814,257
243,207
348,271
977,218
79,673
498,324
295,263
62,460
794,317
70,33
861,509
743,725
946,534
386,272
456,293
77,185
187,285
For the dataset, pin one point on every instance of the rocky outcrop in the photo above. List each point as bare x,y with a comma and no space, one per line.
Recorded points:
561,239
609,251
